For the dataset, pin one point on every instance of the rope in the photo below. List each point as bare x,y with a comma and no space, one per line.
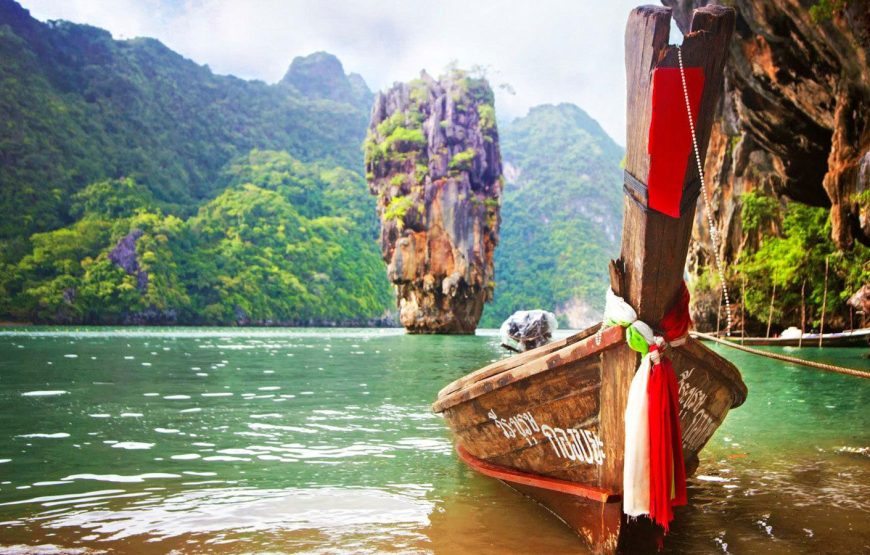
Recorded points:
784,358
708,209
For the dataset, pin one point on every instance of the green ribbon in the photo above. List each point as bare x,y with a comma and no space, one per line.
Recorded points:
633,337
636,340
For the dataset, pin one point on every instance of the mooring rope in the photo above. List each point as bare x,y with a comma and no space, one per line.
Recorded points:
795,360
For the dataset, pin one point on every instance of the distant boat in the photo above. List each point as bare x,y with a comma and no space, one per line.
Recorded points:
550,422
527,329
850,338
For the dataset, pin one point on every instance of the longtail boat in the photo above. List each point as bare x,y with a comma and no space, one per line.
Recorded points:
550,422
848,338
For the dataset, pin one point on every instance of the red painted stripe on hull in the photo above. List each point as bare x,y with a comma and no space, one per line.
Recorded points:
535,480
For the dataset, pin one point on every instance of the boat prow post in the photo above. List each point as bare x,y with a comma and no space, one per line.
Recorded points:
550,422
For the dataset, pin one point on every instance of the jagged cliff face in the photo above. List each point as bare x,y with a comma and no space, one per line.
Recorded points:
433,161
794,122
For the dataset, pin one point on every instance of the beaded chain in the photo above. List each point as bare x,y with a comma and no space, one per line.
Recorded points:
714,236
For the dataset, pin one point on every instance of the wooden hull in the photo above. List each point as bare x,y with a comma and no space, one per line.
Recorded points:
538,414
852,338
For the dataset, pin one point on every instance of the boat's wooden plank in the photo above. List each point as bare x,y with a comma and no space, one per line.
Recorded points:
517,426
514,361
587,347
706,395
703,356
541,460
537,396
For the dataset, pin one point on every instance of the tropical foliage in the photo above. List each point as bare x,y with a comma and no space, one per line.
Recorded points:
793,244
102,140
78,107
285,242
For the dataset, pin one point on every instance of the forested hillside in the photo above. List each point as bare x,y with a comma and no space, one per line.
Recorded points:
561,216
132,190
78,107
284,243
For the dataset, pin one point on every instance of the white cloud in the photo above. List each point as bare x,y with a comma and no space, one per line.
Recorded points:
550,51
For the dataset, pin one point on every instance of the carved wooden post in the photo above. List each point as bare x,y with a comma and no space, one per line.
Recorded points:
654,245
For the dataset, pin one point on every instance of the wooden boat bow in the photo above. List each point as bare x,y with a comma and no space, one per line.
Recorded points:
550,421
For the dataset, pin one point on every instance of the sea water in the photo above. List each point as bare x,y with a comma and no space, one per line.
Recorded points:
149,440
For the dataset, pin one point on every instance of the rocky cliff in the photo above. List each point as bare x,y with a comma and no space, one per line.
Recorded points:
432,159
793,125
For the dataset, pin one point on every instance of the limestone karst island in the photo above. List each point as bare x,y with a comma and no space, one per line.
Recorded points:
291,277
432,158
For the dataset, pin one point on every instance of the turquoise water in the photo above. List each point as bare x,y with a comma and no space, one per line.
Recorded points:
322,441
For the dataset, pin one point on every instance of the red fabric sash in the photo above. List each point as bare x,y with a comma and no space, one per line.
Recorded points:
667,468
676,322
670,140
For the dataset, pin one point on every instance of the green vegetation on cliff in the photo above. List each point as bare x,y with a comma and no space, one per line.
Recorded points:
78,107
561,216
285,242
788,249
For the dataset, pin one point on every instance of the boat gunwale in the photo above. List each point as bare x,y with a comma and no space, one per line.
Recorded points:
474,388
516,360
479,382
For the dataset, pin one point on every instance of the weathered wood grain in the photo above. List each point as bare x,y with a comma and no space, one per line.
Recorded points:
654,246
514,361
576,351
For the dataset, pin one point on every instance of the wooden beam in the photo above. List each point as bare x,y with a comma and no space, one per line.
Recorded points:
534,480
654,246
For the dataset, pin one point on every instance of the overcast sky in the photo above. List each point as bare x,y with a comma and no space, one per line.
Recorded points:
548,51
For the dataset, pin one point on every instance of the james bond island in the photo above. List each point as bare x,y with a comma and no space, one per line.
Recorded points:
432,159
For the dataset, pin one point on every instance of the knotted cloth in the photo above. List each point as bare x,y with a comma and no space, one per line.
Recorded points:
636,461
654,475
667,470
638,334
675,324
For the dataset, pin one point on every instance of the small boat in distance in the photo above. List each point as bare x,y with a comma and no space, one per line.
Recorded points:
848,338
550,422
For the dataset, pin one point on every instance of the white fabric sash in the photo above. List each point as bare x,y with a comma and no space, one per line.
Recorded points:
635,473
